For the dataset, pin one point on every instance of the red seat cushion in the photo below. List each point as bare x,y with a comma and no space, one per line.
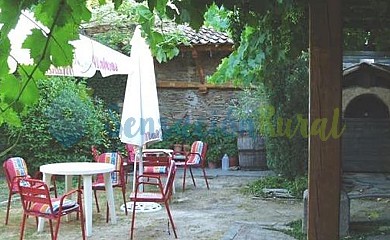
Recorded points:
55,202
155,169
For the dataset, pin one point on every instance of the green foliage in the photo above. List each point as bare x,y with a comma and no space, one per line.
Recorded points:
121,25
280,29
184,132
230,145
163,41
67,115
295,230
296,186
270,57
110,134
162,38
216,139
272,38
287,92
244,64
218,18
62,126
49,48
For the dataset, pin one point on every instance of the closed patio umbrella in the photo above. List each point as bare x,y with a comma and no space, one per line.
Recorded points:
140,123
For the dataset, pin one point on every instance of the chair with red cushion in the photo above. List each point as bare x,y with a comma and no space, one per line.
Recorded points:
117,177
36,201
14,169
196,158
161,196
128,164
95,153
156,164
130,152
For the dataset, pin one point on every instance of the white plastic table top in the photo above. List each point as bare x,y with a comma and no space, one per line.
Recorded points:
86,170
77,168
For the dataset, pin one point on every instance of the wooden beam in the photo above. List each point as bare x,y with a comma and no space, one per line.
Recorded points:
199,66
325,97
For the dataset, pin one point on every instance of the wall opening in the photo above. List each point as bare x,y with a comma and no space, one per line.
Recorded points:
367,106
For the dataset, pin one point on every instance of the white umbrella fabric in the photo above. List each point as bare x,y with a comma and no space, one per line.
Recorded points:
89,55
140,123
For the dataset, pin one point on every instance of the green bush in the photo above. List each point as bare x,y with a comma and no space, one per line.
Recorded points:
295,186
267,109
286,92
63,125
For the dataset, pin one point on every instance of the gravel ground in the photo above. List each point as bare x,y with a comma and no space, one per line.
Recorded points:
198,213
204,214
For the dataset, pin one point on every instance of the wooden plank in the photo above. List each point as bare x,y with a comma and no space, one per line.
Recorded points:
325,97
365,145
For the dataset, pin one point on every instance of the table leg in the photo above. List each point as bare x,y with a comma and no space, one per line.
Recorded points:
41,221
87,182
68,183
68,187
110,196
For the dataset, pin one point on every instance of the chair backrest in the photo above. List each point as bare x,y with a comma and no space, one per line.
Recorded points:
36,199
116,159
35,196
14,168
168,188
197,154
95,153
156,163
130,152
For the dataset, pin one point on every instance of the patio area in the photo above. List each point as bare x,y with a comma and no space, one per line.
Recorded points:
222,212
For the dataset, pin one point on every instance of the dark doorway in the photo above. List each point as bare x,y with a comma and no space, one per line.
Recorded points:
366,106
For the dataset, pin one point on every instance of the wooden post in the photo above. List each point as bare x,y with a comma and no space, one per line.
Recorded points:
325,97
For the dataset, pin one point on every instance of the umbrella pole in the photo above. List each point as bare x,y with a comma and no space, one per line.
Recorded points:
137,158
141,166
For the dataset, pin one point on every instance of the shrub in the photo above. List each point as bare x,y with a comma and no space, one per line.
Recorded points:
285,93
288,95
295,186
62,126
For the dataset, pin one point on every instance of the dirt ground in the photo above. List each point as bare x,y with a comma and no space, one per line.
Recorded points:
200,213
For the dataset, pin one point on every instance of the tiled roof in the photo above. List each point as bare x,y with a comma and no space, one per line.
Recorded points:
205,36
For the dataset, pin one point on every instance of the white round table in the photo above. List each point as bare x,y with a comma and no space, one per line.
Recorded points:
86,170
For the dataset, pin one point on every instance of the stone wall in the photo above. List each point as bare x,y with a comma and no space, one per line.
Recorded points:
211,108
177,103
183,67
350,93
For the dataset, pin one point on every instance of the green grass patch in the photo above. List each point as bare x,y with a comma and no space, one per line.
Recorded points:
295,187
295,230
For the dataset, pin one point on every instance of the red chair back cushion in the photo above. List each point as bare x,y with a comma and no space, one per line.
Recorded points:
15,167
115,159
197,148
130,152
